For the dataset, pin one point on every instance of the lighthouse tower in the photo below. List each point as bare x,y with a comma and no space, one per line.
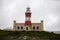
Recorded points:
28,23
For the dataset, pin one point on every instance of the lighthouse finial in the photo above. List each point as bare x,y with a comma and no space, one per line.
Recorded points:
28,8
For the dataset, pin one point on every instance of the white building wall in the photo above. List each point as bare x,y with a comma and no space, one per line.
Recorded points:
19,27
36,27
30,28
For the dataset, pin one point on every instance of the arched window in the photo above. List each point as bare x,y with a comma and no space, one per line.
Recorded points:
18,27
33,27
21,27
37,27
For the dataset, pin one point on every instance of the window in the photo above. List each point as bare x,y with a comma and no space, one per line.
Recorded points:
37,27
26,28
18,27
21,27
34,27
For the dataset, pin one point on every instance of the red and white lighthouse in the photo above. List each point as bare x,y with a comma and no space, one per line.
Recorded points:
28,25
28,17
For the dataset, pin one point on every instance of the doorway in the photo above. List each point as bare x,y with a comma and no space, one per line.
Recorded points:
26,28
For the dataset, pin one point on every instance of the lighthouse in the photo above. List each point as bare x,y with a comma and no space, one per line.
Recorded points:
28,23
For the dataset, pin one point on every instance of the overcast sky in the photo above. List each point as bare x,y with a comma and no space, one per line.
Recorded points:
47,10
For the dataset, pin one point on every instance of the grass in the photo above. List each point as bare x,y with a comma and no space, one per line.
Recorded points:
40,34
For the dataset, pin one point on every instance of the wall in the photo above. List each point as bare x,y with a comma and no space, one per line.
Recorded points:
30,28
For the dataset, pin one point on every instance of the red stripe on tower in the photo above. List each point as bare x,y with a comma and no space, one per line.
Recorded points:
27,14
28,23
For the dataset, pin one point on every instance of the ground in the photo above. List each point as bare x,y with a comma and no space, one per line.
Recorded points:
28,35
